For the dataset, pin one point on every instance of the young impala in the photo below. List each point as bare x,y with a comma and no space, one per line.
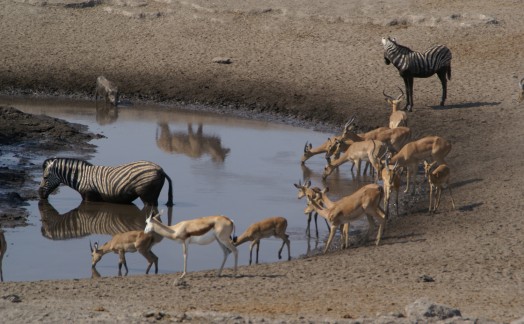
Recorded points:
438,178
131,241
273,226
413,153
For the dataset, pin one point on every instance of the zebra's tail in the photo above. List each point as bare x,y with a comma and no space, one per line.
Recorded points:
448,72
170,191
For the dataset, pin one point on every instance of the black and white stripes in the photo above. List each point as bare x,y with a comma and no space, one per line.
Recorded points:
120,184
411,64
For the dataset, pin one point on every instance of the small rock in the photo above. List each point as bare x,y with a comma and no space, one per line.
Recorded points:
423,308
222,60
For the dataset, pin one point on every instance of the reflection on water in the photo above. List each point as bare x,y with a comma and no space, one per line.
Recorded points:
106,114
90,218
193,145
246,172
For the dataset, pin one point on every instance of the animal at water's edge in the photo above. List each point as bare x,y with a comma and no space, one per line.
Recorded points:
201,231
107,90
273,226
131,241
120,184
411,64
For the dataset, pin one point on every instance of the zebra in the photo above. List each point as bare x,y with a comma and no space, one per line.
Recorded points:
411,64
121,184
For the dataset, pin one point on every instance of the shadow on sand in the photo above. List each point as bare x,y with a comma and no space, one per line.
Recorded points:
466,105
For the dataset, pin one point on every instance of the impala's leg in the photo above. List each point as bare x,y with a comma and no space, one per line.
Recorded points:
345,232
396,199
358,167
381,216
451,195
430,196
184,251
122,256
371,226
285,241
251,250
332,230
316,223
229,247
226,251
439,194
258,248
308,232
442,76
408,178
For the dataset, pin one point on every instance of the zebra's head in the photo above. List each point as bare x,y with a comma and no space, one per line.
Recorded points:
388,43
50,181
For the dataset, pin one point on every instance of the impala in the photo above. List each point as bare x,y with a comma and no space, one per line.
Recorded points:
273,226
310,151
438,178
397,117
414,152
202,231
366,201
391,179
358,151
131,241
303,191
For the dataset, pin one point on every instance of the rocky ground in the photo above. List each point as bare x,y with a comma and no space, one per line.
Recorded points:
318,62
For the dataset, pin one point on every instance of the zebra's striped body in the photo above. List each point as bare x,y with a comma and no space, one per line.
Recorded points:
411,64
121,184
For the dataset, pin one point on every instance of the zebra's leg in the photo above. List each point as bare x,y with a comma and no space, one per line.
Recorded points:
408,82
442,76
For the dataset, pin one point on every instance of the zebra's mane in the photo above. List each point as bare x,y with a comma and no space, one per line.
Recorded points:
401,48
66,160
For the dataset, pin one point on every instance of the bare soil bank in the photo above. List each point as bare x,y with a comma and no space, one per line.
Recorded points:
318,61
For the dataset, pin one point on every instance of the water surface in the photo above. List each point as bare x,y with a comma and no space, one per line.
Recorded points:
220,165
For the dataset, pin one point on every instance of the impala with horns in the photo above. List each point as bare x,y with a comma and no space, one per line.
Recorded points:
438,178
358,151
395,138
366,201
201,231
412,154
310,151
273,226
303,191
391,179
397,117
131,241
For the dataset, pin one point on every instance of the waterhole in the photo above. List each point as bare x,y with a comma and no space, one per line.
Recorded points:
220,165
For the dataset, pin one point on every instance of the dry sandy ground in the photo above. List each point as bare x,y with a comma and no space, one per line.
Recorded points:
319,61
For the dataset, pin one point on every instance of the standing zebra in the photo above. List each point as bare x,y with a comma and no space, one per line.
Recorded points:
121,184
411,64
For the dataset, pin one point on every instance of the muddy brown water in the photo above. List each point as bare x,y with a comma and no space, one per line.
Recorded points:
220,165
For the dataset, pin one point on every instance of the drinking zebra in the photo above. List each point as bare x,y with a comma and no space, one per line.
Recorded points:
411,64
121,184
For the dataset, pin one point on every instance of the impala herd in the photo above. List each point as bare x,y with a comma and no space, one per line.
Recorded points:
389,153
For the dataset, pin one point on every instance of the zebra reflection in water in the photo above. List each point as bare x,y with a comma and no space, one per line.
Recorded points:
90,218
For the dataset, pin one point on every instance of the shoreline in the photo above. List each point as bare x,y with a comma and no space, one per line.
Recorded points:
319,64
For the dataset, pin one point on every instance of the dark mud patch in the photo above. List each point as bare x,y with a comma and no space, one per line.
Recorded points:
25,141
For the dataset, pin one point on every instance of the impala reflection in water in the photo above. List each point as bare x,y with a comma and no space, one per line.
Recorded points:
189,143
